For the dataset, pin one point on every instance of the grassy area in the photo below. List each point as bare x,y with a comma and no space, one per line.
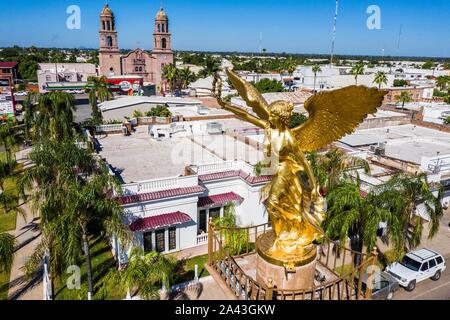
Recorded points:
186,269
4,285
7,221
102,262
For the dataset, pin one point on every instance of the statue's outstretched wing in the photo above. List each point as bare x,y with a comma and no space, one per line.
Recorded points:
334,114
250,94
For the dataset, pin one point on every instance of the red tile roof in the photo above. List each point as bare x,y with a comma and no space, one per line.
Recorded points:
219,199
161,221
7,64
236,173
150,196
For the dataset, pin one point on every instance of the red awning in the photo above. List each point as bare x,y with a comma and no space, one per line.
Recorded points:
161,221
219,199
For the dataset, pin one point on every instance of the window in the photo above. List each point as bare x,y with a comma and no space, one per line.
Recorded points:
432,263
163,27
160,241
380,285
202,221
136,69
108,25
148,245
164,43
172,238
424,266
410,263
214,213
48,78
109,41
159,27
104,25
439,260
140,69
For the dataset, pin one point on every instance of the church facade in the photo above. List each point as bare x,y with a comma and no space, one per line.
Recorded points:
137,62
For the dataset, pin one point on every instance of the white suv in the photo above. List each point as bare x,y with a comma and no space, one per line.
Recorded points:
417,266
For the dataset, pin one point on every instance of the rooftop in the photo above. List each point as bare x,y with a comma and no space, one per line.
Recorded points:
406,142
126,101
140,157
7,65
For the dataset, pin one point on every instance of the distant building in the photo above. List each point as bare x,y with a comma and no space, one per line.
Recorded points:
418,94
9,71
138,62
61,76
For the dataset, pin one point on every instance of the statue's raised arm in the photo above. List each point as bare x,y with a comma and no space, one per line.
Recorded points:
251,96
334,114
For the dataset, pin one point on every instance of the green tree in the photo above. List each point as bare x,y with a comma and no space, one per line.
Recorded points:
403,195
187,77
170,73
54,117
357,70
10,137
268,85
447,121
235,240
297,119
400,83
428,65
316,69
291,66
210,67
336,167
404,97
380,79
7,246
146,273
443,82
99,92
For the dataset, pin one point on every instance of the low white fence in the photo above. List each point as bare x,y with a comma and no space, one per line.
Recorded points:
160,184
106,128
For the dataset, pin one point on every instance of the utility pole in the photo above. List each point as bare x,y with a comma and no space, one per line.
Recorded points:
334,32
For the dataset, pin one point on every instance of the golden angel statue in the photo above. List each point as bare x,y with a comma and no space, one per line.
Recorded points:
294,203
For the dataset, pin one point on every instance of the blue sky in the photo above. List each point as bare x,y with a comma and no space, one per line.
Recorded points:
293,26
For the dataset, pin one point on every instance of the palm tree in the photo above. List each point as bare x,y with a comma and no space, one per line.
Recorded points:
187,77
73,204
335,167
10,137
442,82
88,208
349,215
7,246
146,273
404,196
404,97
380,78
170,73
357,70
291,66
99,91
54,118
316,69
210,67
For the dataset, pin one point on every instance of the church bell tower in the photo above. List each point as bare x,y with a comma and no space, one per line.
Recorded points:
109,53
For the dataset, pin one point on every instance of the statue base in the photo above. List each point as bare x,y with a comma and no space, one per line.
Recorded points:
288,271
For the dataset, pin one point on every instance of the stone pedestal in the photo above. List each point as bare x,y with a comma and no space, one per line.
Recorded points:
298,278
293,270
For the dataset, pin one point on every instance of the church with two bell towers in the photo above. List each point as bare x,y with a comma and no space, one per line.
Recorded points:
137,62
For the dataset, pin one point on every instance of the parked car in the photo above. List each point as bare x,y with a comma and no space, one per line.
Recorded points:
417,266
21,93
383,286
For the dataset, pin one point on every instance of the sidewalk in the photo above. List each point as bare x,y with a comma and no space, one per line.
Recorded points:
28,236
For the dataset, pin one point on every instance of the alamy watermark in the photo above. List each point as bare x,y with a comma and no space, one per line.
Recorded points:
374,19
73,22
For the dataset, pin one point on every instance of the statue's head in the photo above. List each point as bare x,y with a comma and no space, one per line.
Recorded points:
280,113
